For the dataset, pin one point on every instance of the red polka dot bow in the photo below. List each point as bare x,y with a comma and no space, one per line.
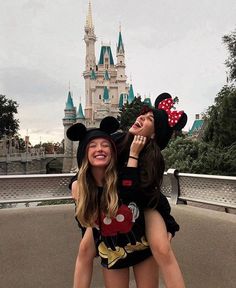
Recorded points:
173,116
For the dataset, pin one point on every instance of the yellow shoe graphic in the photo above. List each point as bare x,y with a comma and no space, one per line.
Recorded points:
112,255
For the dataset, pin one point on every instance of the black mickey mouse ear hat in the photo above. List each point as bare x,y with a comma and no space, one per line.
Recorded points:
166,120
78,132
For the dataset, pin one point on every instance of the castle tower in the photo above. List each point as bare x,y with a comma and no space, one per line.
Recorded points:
68,120
105,82
90,63
120,66
106,88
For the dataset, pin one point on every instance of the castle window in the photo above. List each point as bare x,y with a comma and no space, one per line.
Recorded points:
106,62
120,62
100,96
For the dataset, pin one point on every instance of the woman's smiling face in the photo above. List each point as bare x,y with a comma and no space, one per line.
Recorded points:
99,152
144,125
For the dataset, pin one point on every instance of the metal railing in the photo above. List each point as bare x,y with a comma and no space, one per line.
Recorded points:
34,188
207,189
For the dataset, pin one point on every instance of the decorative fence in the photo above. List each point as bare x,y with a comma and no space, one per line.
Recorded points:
178,187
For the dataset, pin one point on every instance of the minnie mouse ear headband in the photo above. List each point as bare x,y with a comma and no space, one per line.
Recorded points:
78,132
165,120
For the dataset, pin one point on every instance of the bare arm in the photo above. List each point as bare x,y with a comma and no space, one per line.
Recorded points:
74,190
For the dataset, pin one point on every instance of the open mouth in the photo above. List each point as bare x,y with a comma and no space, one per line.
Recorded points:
100,156
137,124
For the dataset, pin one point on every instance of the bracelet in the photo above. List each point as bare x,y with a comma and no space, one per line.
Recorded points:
136,158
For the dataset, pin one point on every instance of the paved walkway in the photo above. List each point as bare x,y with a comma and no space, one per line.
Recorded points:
38,247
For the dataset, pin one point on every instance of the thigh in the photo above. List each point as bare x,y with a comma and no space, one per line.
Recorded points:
87,246
156,232
116,278
146,274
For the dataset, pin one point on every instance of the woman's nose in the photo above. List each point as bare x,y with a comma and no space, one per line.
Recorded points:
99,147
141,117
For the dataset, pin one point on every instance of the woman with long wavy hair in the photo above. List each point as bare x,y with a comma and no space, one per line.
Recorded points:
111,217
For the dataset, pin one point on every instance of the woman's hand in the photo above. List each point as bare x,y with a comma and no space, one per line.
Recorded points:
137,145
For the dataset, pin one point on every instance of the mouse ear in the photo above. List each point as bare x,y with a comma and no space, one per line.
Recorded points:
181,122
109,124
160,98
76,132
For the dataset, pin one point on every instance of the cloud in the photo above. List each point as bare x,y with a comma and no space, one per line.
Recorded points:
29,84
170,46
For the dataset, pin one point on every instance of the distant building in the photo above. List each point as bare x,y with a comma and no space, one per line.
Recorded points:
106,88
197,129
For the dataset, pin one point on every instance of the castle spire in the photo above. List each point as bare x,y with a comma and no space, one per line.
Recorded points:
89,19
80,113
69,102
120,46
131,94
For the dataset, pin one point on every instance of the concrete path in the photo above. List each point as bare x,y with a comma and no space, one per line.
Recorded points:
38,247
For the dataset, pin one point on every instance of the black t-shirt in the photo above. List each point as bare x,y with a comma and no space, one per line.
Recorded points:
122,241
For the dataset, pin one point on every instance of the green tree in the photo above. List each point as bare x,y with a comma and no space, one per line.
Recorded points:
49,147
129,112
8,124
230,41
191,156
20,143
221,119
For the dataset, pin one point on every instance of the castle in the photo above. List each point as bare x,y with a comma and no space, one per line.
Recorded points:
106,88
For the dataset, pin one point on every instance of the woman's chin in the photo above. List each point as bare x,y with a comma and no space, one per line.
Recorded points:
133,130
100,163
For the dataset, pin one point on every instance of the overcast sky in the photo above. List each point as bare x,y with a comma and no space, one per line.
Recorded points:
172,46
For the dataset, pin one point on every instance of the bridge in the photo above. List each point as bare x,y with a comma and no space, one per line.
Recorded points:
38,245
29,163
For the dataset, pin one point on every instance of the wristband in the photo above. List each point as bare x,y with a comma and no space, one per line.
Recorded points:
136,158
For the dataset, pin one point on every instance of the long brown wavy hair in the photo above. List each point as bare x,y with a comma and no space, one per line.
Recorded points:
89,202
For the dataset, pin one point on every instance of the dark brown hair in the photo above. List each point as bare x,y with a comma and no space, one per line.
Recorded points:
151,168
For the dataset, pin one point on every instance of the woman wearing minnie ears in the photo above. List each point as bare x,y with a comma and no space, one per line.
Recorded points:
158,125
119,236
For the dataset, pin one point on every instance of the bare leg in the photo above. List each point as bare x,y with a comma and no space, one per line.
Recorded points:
161,249
116,278
146,274
84,262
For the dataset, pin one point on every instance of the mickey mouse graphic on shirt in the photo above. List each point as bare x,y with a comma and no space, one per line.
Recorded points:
118,227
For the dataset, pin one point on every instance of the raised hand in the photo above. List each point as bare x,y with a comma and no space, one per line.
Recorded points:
137,145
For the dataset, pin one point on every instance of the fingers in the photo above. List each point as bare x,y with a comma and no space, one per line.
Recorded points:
140,139
137,145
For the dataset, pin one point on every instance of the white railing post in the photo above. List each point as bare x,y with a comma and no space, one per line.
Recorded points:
173,175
